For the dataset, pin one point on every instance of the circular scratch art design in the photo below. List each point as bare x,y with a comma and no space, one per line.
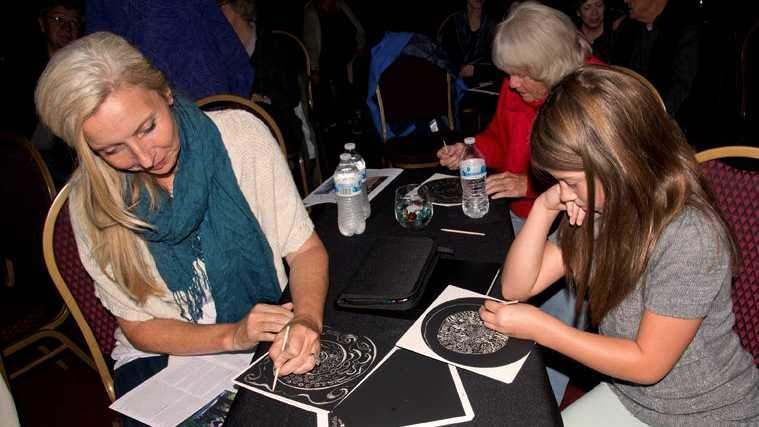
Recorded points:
340,360
454,331
343,360
463,332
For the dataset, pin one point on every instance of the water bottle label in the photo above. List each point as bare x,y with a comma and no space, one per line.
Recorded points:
347,186
473,169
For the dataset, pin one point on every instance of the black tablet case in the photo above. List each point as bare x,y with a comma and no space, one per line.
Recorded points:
392,276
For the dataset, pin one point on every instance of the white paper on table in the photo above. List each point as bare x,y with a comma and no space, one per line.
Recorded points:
377,180
436,177
413,340
179,390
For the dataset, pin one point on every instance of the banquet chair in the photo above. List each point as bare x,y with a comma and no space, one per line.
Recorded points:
234,102
31,313
77,287
414,90
300,60
441,26
737,195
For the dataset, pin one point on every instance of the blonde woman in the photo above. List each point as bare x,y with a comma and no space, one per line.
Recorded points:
537,46
641,238
183,219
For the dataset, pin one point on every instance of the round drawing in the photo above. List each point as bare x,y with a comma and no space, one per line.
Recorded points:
445,190
463,332
342,358
455,332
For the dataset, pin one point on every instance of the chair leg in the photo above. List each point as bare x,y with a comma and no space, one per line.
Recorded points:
65,343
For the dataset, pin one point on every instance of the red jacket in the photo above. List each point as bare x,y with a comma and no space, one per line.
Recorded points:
506,141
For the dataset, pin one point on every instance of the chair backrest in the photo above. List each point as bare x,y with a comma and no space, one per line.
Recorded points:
27,189
443,23
413,89
301,59
737,193
228,101
77,287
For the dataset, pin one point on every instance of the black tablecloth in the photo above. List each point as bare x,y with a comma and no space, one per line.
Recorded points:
473,262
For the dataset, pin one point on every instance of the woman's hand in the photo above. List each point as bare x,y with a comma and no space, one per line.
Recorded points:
551,200
301,351
514,320
506,184
450,156
263,323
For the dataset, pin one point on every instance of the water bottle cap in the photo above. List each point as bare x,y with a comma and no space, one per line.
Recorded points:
350,146
469,140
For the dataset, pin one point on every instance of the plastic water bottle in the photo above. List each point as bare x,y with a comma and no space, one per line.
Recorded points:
475,202
350,211
360,164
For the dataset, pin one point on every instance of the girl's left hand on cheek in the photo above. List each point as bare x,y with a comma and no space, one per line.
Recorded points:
576,214
514,320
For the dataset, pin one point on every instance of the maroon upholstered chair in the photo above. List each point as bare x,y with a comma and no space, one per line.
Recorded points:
737,193
31,312
77,287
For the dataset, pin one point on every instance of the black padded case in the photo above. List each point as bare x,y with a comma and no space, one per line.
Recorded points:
392,276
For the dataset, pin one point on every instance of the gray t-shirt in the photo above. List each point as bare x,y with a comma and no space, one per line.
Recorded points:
715,382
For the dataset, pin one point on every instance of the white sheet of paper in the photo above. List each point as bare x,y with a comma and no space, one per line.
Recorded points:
413,340
325,192
183,387
436,177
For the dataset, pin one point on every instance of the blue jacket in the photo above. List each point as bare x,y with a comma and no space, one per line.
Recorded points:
189,40
386,52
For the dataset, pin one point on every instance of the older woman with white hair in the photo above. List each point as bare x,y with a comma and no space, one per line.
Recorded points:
536,46
182,218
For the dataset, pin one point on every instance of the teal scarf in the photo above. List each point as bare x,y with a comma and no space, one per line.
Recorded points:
209,219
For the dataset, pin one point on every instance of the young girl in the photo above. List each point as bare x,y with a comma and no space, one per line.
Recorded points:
643,242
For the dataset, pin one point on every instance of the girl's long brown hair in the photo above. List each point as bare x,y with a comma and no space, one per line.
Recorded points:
610,123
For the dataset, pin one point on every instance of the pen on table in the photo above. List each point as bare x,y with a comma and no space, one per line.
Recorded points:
284,344
471,233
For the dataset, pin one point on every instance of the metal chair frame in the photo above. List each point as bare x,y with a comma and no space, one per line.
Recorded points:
49,329
48,235
226,100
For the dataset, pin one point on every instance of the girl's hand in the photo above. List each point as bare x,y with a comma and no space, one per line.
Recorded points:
576,214
551,200
514,320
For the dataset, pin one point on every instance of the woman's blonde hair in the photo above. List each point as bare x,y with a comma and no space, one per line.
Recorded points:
610,123
539,41
76,81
